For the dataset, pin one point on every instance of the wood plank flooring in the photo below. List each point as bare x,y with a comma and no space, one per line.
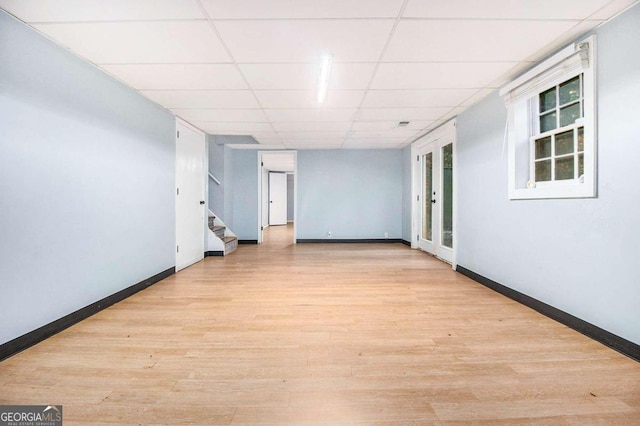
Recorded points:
323,334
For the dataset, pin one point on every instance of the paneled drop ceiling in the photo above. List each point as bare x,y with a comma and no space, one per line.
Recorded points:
250,67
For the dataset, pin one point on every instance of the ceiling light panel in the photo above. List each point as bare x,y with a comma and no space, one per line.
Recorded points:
140,42
471,41
203,98
308,115
308,98
101,10
503,9
446,75
178,76
222,115
416,98
305,41
260,9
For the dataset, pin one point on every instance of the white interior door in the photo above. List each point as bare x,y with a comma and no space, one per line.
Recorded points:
277,198
190,196
435,197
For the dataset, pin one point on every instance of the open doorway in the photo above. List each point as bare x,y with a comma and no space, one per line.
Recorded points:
277,186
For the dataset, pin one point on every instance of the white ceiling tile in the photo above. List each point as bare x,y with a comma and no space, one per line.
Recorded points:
312,135
308,115
305,40
260,9
305,76
503,9
223,115
438,75
308,98
383,134
351,76
389,125
416,98
195,99
101,10
178,76
327,126
313,141
140,42
325,145
402,114
281,76
220,128
369,144
471,41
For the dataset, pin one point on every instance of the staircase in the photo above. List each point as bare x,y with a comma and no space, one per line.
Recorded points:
221,241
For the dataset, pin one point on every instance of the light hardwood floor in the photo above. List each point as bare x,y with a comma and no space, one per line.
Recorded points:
323,334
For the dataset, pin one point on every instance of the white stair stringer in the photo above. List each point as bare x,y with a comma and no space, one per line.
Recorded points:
221,242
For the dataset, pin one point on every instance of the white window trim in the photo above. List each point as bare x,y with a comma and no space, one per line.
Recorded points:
577,58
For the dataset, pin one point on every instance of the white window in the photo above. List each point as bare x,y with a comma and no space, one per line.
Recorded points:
551,128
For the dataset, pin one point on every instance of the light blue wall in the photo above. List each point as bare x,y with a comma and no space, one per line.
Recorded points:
216,168
244,193
87,183
290,196
355,194
577,255
407,197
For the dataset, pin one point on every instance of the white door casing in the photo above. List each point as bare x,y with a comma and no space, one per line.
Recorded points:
277,198
190,195
440,198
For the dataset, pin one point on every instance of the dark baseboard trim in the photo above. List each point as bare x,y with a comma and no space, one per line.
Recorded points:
335,240
406,243
247,241
25,341
617,343
213,253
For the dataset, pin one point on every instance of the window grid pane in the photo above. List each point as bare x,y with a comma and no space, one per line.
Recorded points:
560,156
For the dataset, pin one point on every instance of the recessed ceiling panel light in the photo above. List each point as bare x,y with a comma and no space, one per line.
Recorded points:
323,81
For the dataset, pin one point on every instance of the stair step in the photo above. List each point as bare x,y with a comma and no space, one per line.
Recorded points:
219,231
212,222
230,244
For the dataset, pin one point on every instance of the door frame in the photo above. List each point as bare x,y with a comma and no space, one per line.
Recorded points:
272,182
436,139
205,169
295,192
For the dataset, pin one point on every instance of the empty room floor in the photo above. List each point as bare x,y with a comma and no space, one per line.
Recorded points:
323,334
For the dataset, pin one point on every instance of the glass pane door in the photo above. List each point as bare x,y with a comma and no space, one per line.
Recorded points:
427,205
447,196
435,198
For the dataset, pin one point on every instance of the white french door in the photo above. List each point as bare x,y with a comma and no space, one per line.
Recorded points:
190,196
434,187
